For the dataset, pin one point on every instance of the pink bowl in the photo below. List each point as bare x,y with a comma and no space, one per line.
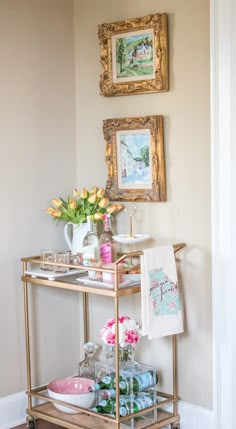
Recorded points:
73,390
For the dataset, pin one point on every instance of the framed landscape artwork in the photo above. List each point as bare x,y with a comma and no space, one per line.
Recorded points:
135,158
134,56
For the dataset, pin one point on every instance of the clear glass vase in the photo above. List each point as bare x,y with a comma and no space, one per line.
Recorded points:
126,354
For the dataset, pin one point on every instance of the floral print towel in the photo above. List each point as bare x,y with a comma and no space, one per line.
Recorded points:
161,305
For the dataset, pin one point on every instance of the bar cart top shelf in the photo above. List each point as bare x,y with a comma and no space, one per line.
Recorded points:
72,281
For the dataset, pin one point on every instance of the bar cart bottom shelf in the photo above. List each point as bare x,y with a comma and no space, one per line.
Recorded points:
82,421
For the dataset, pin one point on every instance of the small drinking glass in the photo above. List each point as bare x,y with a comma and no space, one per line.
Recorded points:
108,277
61,258
47,255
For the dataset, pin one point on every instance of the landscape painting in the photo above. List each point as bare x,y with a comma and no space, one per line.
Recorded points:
133,56
133,155
135,158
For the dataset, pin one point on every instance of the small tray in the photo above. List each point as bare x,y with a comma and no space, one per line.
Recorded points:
131,239
129,280
50,275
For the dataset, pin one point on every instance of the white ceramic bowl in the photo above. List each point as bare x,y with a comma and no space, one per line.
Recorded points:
73,390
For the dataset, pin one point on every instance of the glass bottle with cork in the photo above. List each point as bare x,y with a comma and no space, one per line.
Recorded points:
108,251
107,244
91,254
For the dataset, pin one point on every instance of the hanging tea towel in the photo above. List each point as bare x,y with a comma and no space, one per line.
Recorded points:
160,300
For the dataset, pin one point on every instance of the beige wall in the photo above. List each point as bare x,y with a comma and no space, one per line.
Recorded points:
40,157
37,163
186,214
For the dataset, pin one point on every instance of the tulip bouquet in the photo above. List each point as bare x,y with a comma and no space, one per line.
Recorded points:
129,332
82,204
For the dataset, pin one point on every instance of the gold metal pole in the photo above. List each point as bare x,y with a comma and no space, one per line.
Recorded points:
175,376
86,316
27,337
117,366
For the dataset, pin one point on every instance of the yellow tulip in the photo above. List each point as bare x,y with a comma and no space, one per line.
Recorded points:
57,202
103,203
92,198
98,216
72,204
50,210
94,190
83,193
100,193
111,209
119,207
75,192
56,213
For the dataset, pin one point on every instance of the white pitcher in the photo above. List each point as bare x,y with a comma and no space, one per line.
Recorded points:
78,233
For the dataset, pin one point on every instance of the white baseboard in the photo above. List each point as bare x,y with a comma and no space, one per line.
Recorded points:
193,416
12,410
12,413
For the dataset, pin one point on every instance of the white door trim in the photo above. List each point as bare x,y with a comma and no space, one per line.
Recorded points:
223,96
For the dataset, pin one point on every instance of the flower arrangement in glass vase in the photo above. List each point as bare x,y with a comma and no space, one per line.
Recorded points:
129,335
75,210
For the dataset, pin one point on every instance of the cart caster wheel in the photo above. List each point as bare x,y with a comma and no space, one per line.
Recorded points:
30,422
175,426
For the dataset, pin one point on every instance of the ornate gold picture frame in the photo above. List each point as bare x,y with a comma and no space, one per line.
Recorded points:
135,159
134,56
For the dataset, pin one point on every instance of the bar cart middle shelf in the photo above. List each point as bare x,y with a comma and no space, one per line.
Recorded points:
154,417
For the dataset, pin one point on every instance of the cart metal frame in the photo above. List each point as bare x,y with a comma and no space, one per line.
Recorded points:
88,419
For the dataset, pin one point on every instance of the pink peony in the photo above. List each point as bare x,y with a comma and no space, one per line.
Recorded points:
111,338
132,336
110,323
123,318
128,331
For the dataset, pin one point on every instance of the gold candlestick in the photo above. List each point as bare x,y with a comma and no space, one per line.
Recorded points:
130,209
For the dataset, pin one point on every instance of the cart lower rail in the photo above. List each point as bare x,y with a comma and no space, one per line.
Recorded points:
83,421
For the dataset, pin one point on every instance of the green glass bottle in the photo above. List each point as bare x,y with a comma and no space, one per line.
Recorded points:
106,382
106,406
137,383
127,406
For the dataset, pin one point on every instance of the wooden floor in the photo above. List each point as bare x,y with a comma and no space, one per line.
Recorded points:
40,425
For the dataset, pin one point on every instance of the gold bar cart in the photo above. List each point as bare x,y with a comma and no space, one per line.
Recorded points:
88,419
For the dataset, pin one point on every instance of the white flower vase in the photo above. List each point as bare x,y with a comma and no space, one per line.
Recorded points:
74,235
